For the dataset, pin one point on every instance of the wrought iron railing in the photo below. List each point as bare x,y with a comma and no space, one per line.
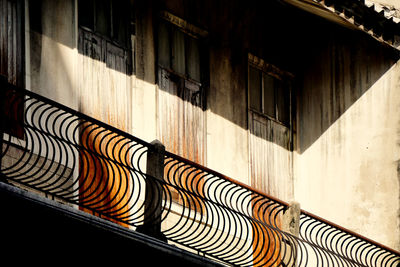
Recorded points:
97,168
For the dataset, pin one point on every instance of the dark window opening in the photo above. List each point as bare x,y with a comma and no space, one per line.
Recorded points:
269,95
107,18
179,52
107,33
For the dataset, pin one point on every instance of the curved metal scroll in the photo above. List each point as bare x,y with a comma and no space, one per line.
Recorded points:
85,163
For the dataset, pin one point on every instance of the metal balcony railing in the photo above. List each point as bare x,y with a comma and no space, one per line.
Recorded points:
70,157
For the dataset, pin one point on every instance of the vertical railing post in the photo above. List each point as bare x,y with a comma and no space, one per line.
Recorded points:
291,225
291,218
154,191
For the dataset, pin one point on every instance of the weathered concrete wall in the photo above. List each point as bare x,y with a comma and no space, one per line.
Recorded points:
234,31
347,151
54,69
143,109
51,54
227,145
348,138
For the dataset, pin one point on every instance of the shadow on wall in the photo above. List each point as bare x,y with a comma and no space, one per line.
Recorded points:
49,20
333,66
56,20
339,68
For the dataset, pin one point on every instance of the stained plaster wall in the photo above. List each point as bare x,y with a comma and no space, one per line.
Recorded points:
51,53
345,168
52,62
348,139
226,107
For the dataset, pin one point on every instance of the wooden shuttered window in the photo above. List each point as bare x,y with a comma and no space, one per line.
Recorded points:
109,19
269,95
270,150
12,62
181,100
105,66
179,52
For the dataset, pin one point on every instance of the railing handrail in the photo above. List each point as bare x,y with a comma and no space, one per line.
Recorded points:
78,114
259,192
255,199
350,232
227,178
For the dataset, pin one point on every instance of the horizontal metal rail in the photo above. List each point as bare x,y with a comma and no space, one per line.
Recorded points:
90,165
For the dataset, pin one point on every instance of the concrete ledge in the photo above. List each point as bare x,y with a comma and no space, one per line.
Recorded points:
38,230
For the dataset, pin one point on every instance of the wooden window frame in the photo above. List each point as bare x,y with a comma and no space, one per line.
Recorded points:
191,31
277,73
184,81
111,37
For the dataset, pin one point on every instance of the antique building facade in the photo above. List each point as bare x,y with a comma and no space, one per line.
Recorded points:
296,99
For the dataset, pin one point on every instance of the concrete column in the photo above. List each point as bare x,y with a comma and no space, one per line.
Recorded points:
291,219
291,225
154,189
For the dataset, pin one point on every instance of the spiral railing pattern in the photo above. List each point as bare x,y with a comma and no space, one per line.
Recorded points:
92,166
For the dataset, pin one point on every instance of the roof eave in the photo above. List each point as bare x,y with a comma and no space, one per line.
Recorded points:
356,15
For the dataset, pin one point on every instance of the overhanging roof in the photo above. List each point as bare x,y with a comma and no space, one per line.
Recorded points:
356,14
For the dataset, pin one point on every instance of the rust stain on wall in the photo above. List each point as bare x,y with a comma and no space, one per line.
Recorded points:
104,90
181,123
270,157
271,172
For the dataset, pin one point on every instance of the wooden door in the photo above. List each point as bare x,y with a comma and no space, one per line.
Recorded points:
181,126
271,172
104,91
270,145
270,156
180,100
181,116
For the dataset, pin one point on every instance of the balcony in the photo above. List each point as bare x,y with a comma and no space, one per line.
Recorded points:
81,182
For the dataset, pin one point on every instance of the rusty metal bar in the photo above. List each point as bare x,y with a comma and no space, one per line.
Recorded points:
311,215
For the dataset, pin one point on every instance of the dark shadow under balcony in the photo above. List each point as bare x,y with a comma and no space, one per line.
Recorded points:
35,230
